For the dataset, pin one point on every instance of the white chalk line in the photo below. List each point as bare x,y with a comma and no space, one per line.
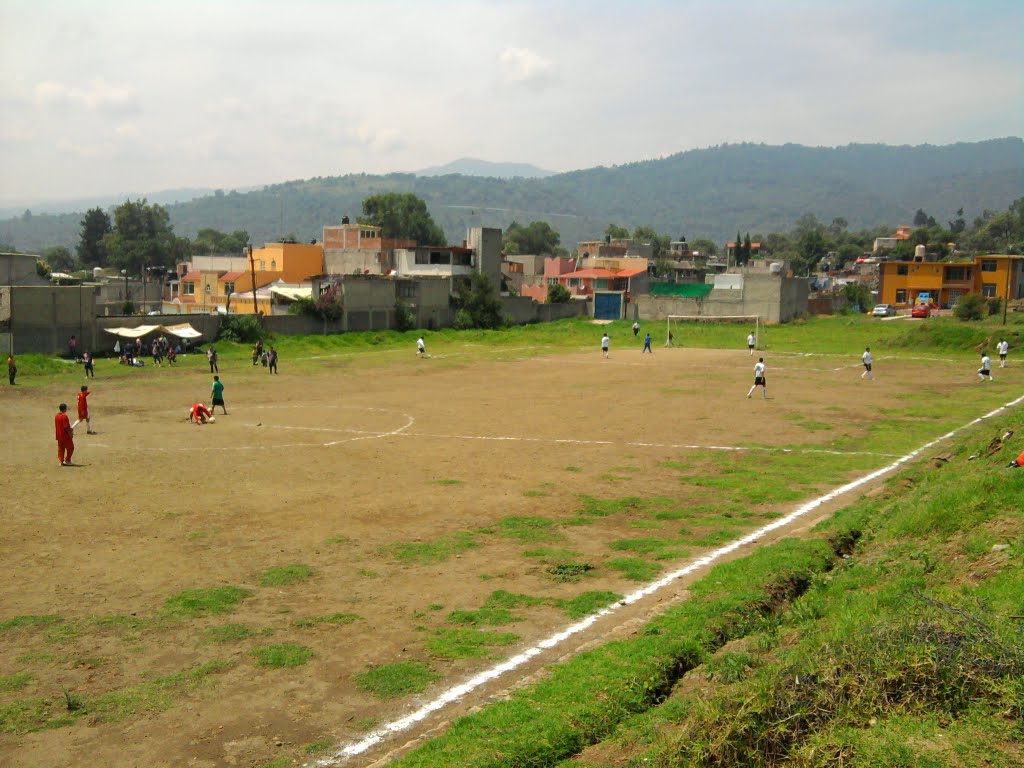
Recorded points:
453,694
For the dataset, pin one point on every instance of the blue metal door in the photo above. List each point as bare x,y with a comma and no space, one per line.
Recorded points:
607,306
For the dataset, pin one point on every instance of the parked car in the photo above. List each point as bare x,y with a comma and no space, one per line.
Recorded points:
921,310
884,310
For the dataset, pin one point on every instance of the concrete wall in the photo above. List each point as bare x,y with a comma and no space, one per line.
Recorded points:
519,310
20,269
42,318
486,241
774,298
354,261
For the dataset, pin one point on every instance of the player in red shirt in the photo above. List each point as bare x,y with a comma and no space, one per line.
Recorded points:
83,410
65,436
199,414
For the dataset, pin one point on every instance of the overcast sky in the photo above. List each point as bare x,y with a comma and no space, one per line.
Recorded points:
131,96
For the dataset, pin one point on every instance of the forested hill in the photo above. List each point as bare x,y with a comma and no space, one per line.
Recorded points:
709,193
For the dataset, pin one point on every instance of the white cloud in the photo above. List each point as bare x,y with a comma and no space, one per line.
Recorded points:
521,66
98,96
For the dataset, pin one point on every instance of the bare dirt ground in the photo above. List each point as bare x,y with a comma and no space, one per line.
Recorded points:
330,468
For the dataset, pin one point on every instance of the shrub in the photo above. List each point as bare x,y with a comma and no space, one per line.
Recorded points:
995,306
405,318
970,306
558,294
246,329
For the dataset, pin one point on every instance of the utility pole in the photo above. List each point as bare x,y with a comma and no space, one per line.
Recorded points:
252,272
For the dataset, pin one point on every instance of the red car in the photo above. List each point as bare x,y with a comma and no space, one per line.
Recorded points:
921,310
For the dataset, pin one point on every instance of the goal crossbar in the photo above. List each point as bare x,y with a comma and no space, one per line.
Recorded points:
753,321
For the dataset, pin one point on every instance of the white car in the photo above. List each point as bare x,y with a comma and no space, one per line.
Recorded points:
884,310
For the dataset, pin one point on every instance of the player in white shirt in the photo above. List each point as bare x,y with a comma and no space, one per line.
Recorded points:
751,343
1002,347
985,372
759,379
866,357
605,342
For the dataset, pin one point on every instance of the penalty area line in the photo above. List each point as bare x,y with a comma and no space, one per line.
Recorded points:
453,694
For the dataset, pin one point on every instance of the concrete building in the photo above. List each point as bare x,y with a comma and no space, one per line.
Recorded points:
359,249
766,289
993,276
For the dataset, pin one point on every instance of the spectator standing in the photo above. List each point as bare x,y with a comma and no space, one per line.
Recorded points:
12,369
272,360
73,347
211,356
65,436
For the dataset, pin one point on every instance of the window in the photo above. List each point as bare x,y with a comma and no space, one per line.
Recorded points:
188,288
229,288
406,290
988,290
988,265
901,269
263,266
958,274
422,257
901,296
273,266
440,257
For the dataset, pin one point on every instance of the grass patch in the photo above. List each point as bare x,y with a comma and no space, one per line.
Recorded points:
448,481
29,621
15,682
320,745
280,656
337,619
587,603
568,572
467,643
535,494
228,633
528,529
634,568
389,681
335,540
283,575
430,552
573,469
212,601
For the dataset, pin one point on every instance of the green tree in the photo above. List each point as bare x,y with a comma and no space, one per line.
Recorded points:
403,216
537,237
211,241
59,258
746,248
858,295
704,247
616,232
970,306
143,236
558,294
810,248
958,225
650,236
94,228
477,304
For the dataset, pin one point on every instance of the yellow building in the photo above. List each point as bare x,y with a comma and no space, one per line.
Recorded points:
993,276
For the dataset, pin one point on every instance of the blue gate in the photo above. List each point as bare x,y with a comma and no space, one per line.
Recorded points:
607,306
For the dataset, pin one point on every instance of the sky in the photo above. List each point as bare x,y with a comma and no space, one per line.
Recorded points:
112,97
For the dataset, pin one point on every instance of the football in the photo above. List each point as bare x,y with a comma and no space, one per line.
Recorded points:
213,419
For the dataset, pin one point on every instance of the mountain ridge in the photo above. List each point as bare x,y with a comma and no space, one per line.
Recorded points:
711,193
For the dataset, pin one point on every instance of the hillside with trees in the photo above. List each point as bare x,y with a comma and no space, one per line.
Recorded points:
708,193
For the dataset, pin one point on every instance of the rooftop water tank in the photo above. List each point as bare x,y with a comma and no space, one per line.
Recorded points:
775,267
97,272
919,252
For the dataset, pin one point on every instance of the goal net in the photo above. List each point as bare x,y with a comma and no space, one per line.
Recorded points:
730,330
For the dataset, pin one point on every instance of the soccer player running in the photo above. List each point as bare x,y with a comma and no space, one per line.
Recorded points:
751,342
65,436
868,360
1003,347
605,343
759,379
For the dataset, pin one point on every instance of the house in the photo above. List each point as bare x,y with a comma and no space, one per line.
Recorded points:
359,249
888,243
993,276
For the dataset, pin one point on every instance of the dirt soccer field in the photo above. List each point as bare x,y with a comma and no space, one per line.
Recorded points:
216,595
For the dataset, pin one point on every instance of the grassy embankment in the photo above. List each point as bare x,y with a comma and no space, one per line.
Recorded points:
892,637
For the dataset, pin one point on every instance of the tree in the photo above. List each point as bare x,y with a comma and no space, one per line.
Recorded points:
403,216
95,227
650,236
616,232
970,306
211,241
477,304
858,295
142,236
558,294
746,248
838,226
810,248
704,247
958,225
537,237
59,258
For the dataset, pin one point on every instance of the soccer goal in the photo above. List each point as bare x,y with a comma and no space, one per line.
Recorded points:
678,326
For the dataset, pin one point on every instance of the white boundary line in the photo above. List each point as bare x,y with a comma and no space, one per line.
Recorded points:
453,694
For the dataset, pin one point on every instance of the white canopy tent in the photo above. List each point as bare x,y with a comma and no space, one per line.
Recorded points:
182,331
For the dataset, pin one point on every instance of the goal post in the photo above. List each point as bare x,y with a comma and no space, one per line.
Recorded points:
677,325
